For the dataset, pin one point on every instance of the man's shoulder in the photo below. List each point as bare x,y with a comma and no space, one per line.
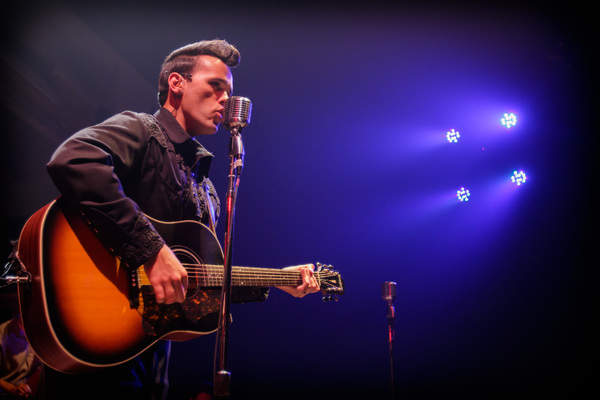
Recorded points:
138,123
129,117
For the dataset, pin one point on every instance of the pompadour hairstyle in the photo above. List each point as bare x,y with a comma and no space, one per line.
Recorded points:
183,61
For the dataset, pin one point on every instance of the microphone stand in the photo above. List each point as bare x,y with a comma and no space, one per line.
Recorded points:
389,294
222,377
391,329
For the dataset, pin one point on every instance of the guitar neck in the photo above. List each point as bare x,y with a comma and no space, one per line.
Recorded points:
211,276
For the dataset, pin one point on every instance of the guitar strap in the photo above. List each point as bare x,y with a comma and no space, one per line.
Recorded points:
211,209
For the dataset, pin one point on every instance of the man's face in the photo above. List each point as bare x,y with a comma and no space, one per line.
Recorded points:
204,96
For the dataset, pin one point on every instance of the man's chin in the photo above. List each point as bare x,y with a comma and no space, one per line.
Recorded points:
204,131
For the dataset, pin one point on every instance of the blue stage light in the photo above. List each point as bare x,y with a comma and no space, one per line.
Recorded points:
509,120
518,177
452,136
463,194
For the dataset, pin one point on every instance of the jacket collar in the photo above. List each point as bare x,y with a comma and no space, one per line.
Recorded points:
174,130
185,143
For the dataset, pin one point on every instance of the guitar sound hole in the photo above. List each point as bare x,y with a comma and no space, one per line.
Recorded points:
192,263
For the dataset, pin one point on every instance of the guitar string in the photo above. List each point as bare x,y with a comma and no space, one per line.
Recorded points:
243,275
213,272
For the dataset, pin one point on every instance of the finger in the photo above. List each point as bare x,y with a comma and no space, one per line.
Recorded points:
313,285
184,282
303,288
308,274
159,293
311,281
170,295
181,284
305,280
179,291
23,390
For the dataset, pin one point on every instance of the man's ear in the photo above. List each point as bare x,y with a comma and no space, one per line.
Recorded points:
176,84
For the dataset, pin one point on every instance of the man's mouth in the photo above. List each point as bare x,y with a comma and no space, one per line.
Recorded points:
219,117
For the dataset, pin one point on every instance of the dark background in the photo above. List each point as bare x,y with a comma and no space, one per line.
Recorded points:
347,164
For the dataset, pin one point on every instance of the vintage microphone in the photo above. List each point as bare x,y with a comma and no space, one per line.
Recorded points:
236,117
237,113
388,293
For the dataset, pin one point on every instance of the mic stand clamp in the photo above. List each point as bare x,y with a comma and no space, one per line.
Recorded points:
222,376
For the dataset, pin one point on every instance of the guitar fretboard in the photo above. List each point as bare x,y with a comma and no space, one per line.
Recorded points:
212,276
247,276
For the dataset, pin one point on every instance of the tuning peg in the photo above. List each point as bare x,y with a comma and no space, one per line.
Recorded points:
330,297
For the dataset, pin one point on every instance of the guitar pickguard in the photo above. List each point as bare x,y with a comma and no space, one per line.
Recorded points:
200,313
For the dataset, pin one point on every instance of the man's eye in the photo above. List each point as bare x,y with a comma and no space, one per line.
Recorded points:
220,87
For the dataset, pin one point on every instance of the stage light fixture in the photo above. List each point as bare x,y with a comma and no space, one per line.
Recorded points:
463,194
452,136
518,177
509,120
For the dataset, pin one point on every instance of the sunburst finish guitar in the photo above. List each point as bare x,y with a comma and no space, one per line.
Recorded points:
81,310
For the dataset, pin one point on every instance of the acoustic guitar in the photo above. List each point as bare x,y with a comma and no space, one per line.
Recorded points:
82,310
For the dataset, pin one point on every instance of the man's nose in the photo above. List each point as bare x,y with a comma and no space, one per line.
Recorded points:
224,98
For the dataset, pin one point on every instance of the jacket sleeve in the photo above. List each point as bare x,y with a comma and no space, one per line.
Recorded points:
89,169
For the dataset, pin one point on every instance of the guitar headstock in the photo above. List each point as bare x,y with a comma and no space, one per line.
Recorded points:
332,283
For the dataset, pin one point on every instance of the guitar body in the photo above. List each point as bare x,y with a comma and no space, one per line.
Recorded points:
81,310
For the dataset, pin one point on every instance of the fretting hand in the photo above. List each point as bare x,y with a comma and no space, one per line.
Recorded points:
308,285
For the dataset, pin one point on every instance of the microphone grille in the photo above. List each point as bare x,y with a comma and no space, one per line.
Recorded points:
388,291
237,112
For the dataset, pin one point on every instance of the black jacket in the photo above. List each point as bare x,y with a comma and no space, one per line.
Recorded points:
130,165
